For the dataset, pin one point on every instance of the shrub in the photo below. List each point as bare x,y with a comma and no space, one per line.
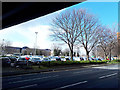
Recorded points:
58,63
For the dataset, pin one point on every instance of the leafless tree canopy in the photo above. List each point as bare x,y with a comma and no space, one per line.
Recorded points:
66,27
3,44
79,27
108,41
90,32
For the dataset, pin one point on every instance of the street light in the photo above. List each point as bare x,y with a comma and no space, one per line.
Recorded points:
36,42
2,47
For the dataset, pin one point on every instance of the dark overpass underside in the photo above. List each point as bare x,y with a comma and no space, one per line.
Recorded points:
14,13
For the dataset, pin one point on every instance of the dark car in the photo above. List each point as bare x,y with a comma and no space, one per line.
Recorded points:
67,59
58,59
13,59
6,61
35,60
82,59
22,61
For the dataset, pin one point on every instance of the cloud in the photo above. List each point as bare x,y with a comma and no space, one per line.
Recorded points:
21,36
20,44
42,36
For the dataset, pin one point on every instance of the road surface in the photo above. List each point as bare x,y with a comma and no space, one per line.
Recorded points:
93,77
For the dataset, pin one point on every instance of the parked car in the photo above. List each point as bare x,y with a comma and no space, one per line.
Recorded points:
35,60
58,59
52,58
98,59
13,59
76,58
85,58
23,61
91,58
63,59
68,58
81,59
46,59
6,61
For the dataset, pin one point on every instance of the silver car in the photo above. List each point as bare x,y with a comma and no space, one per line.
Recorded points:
35,60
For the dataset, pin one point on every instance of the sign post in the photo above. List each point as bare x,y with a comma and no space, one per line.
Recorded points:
27,58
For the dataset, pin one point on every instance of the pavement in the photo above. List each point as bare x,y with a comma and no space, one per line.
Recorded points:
12,71
94,76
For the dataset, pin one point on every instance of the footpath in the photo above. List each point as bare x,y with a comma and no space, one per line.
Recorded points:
17,71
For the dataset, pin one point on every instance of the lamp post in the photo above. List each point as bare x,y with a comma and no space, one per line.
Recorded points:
36,42
2,47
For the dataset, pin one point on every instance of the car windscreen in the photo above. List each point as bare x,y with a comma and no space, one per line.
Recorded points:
36,58
5,59
21,59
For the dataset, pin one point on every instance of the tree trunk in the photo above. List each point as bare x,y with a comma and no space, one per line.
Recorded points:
87,53
105,56
110,55
71,54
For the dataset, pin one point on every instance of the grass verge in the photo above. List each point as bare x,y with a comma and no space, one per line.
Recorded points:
117,61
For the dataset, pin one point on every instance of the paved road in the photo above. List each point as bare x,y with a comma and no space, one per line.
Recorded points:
95,77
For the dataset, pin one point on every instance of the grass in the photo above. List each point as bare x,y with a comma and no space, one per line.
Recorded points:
117,61
39,67
45,65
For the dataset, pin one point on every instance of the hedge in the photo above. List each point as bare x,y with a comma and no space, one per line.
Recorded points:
58,63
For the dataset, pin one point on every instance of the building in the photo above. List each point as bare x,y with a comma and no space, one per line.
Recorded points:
26,51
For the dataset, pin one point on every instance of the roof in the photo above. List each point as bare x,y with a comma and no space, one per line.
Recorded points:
14,13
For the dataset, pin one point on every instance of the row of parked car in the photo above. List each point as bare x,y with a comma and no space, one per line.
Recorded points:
23,60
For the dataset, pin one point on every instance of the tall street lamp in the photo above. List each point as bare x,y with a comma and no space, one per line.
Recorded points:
2,47
36,42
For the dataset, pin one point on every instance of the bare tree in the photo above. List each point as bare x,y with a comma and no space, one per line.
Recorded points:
93,52
66,27
112,42
108,41
57,50
3,44
65,52
104,40
90,28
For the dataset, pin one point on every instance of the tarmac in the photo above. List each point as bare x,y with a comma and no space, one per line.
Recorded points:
52,69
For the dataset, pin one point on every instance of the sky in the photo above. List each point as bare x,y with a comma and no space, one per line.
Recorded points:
24,34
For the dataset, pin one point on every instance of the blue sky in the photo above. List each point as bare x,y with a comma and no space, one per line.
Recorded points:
24,34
